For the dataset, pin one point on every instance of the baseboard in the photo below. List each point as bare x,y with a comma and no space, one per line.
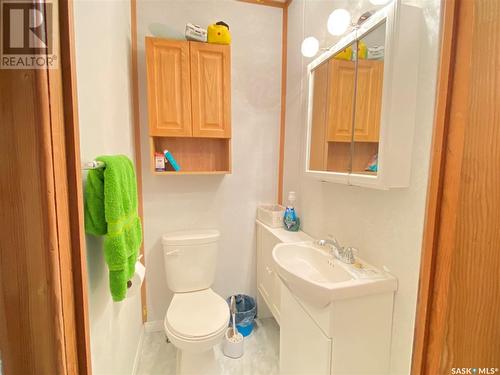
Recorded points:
154,326
138,352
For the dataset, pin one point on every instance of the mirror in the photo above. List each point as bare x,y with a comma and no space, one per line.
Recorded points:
346,102
332,112
369,81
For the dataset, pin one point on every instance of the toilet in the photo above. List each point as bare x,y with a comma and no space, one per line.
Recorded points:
197,317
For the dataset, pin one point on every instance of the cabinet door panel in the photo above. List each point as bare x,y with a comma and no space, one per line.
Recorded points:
341,97
211,90
369,100
304,348
169,98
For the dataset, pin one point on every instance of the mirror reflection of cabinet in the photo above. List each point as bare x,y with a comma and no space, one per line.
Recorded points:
357,91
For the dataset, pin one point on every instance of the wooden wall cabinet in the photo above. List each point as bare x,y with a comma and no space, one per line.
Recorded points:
341,81
210,90
189,103
169,87
370,76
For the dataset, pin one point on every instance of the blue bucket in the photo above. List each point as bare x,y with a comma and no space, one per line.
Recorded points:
246,310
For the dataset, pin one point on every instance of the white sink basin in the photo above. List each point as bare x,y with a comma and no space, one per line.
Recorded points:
315,276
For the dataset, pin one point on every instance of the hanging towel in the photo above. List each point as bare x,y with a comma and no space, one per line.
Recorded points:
111,210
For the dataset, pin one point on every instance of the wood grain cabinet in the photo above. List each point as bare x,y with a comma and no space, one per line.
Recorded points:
169,87
210,90
343,79
341,83
370,77
189,104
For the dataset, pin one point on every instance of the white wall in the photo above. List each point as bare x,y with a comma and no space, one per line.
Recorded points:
227,203
102,32
386,226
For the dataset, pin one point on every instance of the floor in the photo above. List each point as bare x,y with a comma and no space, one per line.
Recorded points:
261,353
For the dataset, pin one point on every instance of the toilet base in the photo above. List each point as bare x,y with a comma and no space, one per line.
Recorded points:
196,363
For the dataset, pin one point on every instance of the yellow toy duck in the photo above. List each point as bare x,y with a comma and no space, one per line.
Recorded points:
219,33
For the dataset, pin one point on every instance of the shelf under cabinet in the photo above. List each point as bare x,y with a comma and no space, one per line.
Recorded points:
195,156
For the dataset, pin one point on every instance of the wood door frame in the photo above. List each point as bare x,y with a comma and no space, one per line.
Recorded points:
435,187
446,185
56,216
75,184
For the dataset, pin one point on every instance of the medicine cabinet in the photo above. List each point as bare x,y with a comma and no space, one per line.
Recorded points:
362,102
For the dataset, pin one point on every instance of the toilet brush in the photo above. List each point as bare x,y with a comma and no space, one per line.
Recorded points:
233,314
233,343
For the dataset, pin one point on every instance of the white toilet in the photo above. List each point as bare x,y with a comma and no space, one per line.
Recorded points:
197,317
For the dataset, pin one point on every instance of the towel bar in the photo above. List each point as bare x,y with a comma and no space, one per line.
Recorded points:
95,164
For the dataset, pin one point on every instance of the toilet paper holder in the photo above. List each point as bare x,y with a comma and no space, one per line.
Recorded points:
130,284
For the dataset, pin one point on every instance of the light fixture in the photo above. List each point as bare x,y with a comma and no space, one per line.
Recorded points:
339,21
310,46
379,2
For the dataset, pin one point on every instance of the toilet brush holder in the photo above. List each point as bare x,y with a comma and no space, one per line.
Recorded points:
232,346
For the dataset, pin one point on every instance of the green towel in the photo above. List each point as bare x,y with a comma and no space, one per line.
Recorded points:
111,210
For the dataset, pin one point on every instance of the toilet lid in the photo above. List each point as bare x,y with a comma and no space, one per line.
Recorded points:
197,314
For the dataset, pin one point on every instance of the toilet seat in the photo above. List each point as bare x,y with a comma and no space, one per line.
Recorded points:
197,316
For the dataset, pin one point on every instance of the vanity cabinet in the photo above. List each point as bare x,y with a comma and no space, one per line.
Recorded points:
189,104
268,282
348,336
267,279
304,347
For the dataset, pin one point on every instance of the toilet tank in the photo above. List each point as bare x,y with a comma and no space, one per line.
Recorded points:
190,259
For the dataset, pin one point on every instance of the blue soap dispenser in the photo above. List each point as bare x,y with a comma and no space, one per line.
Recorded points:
290,219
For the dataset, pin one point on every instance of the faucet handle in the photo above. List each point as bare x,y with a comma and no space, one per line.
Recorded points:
320,242
336,243
349,254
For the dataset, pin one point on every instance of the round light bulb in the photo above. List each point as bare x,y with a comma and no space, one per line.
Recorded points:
339,21
310,46
379,2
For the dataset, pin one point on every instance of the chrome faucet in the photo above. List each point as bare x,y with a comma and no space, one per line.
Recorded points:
344,254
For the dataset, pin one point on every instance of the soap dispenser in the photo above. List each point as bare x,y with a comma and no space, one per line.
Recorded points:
290,219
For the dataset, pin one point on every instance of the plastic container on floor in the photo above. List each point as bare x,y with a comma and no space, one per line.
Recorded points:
245,315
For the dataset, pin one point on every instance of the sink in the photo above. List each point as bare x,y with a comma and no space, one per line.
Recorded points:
317,277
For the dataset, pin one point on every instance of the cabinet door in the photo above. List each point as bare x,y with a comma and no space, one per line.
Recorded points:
268,243
304,348
211,90
169,96
369,100
341,97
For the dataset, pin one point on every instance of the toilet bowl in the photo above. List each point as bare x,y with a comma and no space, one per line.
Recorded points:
197,317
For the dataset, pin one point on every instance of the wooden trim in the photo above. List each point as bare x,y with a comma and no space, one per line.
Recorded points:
460,255
284,45
435,191
284,53
137,138
269,3
74,185
45,304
